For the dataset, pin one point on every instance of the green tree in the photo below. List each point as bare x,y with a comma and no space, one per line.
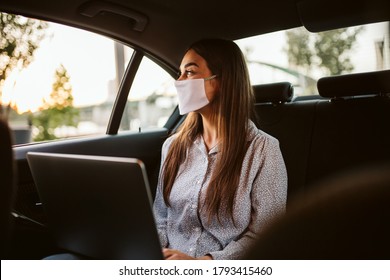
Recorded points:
333,48
58,109
329,50
20,37
298,51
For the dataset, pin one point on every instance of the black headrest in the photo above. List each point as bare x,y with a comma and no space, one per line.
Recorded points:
275,92
355,84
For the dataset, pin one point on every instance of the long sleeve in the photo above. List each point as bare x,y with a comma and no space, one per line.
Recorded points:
268,198
159,207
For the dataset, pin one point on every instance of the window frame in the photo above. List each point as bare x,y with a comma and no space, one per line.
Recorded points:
123,92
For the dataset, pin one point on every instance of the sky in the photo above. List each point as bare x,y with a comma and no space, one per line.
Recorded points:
89,60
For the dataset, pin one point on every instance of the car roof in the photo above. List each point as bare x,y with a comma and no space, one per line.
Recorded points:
164,28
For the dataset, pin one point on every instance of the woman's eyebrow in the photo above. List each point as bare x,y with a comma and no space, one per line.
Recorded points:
191,64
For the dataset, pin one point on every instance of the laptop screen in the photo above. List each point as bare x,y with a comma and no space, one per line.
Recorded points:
99,207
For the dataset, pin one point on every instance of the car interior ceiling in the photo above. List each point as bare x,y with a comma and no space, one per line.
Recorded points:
341,130
171,19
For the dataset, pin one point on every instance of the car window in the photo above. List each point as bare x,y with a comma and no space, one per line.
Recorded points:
68,86
301,57
151,100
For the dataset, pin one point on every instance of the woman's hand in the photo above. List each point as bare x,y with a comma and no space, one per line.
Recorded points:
170,254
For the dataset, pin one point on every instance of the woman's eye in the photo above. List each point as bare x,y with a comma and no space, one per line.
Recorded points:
189,72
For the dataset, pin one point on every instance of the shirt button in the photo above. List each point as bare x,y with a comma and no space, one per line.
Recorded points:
193,206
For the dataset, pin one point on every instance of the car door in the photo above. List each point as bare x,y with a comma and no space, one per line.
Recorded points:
137,119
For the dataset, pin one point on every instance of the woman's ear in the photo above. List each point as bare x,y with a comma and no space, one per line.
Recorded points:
216,84
212,89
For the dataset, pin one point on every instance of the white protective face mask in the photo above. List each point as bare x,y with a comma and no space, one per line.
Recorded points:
192,94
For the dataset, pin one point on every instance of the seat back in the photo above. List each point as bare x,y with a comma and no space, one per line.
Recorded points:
346,128
352,129
7,185
344,218
291,123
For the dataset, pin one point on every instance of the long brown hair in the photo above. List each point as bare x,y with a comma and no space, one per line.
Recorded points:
232,109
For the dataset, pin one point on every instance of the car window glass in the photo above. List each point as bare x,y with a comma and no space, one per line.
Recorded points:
151,100
301,57
69,87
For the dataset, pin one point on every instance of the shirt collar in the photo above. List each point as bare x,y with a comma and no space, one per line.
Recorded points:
201,145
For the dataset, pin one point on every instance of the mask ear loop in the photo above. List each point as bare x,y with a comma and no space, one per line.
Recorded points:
210,78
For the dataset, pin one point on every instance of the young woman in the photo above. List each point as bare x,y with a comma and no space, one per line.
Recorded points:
221,179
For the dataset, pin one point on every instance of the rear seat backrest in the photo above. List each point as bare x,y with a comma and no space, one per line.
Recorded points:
320,138
291,124
353,129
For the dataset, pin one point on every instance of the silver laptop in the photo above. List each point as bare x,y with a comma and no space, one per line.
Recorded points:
98,207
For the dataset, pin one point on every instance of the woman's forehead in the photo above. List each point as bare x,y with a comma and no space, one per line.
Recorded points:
191,58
